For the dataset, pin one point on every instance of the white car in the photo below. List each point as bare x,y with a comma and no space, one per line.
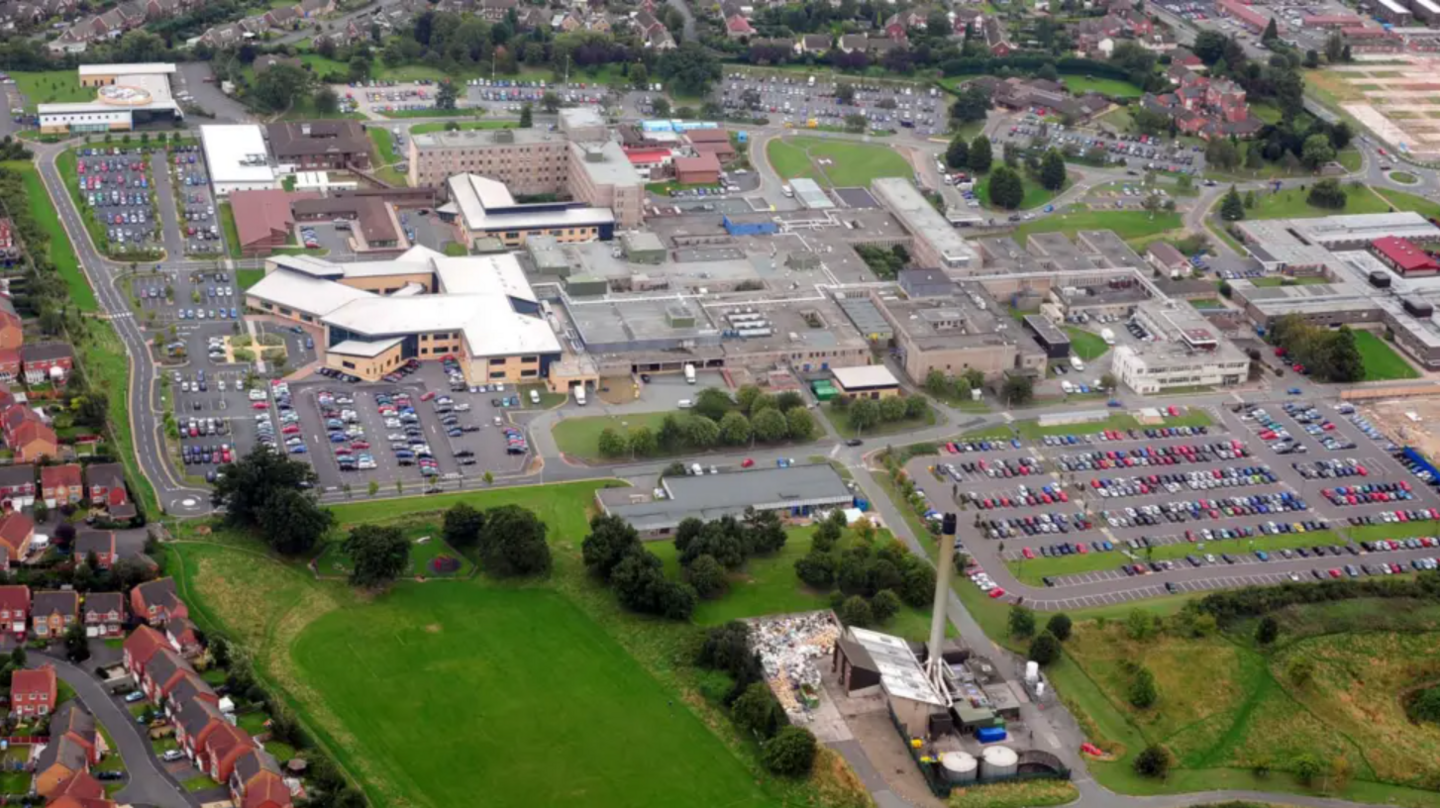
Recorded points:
257,395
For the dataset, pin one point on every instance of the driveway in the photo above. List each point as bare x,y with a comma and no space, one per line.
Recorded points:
148,785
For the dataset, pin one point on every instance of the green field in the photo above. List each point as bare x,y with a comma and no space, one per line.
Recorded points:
51,87
1281,280
321,66
1086,345
1115,88
1035,193
580,437
437,126
854,164
386,157
1031,429
61,252
1401,200
1291,204
452,690
246,278
1126,224
335,563
1381,361
841,422
232,233
1404,177
560,506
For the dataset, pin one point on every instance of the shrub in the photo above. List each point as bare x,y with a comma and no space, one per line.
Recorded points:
757,711
1153,761
1142,692
855,611
1426,705
1267,631
1021,621
707,576
791,752
1060,626
885,605
1045,649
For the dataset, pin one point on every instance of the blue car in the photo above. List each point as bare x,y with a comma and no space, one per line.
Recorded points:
1294,391
298,448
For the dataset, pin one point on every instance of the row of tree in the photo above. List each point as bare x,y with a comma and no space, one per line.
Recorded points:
874,583
867,413
613,552
1329,355
707,550
942,385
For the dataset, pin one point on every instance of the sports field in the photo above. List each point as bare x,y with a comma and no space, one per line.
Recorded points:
835,162
459,692
1126,224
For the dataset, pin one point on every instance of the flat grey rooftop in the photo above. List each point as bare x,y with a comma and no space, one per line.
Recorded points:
711,496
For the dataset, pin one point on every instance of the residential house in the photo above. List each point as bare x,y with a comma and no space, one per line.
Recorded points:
222,749
54,611
140,647
997,39
62,484
282,18
161,9
1204,107
33,692
104,614
849,43
310,9
195,721
11,335
17,530
816,44
10,365
29,438
190,688
106,487
319,145
164,673
495,10
155,602
17,487
81,790
907,19
14,609
47,361
255,782
74,747
660,39
184,637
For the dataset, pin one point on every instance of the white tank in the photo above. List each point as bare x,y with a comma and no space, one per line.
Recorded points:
1032,671
1000,761
960,767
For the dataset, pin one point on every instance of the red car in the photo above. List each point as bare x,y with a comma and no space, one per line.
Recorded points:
261,405
997,592
290,430
359,444
747,463
1334,573
1027,552
429,394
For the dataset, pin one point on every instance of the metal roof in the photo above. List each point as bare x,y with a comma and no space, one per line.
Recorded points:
236,153
304,293
711,496
900,672
865,376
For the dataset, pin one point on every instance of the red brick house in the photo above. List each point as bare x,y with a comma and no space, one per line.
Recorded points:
105,483
99,542
156,603
104,614
11,335
220,752
183,637
140,647
62,484
17,487
195,721
189,689
43,358
74,747
9,365
53,612
256,782
163,673
15,609
30,439
33,692
17,530
737,27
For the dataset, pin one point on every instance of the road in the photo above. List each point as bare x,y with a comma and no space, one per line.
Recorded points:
146,417
148,784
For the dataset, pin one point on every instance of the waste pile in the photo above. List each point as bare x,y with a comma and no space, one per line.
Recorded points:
791,648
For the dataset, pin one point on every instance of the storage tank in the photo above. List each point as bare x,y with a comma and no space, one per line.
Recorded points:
1000,761
1032,671
960,767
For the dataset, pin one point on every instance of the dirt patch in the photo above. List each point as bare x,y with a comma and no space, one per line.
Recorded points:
433,628
616,390
1394,419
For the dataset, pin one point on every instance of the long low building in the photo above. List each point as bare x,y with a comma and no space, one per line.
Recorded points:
378,315
1187,351
482,208
793,490
126,96
936,244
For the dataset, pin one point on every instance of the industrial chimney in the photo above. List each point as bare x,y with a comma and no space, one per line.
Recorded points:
934,663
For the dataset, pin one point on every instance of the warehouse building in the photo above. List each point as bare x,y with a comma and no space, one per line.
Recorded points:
792,491
935,242
701,170
319,145
528,161
127,96
482,208
237,158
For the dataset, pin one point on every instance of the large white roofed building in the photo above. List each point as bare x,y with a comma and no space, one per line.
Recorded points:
237,158
126,96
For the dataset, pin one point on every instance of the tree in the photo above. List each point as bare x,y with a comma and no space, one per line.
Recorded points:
1006,189
513,543
745,398
1267,630
1052,170
1209,46
1317,151
1289,94
845,93
917,584
279,87
971,105
377,554
712,403
462,525
661,107
1044,649
800,424
1222,154
892,408
1327,193
885,605
1059,625
707,576
243,487
611,443
1153,761
527,117
757,711
1335,48
958,154
642,441
77,647
293,523
770,426
550,102
816,569
1426,705
1142,693
1018,389
791,752
611,539
980,155
640,76
1271,33
326,101
446,95
855,611
689,69
1021,621
735,429
864,413
700,432
1232,208
1108,381
1312,59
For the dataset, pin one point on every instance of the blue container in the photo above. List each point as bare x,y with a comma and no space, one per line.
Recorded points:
862,505
990,734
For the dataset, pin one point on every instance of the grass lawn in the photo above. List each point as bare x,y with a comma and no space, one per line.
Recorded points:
1035,193
252,722
841,421
246,278
1086,345
437,126
15,782
1404,177
1280,280
853,164
1126,224
1291,204
790,161
384,144
61,252
768,585
1027,794
559,506
51,87
1381,361
199,783
1114,88
1031,429
322,66
334,562
580,437
664,188
232,233
1401,200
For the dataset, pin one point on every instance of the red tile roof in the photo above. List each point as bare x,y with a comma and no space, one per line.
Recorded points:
705,162
260,215
34,681
142,644
15,597
14,530
67,475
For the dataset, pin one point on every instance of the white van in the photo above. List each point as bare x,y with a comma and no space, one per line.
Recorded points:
579,394
684,404
787,191
1067,387
1077,364
535,397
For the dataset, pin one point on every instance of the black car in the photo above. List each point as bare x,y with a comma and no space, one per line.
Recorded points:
1171,587
464,453
854,442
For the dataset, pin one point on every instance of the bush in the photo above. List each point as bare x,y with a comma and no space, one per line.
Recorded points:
816,569
855,611
1426,705
1153,761
707,576
791,752
1142,692
885,605
1021,621
1060,626
1267,631
757,711
1044,649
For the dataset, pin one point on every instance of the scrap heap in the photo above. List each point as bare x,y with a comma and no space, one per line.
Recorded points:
788,646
